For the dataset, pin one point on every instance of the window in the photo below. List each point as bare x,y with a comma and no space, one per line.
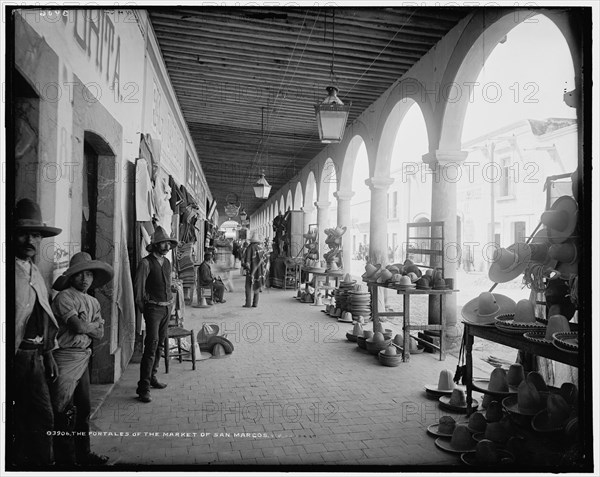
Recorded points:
506,181
519,228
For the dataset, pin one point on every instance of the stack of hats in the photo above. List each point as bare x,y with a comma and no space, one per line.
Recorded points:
185,265
209,341
496,387
556,324
531,397
377,343
357,330
521,321
389,356
341,293
487,454
461,441
443,428
456,402
359,302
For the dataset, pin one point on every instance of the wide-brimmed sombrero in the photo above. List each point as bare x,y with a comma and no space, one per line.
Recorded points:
28,218
159,236
561,219
509,262
80,262
484,309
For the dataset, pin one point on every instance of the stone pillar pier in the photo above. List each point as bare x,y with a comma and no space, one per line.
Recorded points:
446,168
378,249
323,223
344,219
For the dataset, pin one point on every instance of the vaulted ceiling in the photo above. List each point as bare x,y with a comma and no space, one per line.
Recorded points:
247,79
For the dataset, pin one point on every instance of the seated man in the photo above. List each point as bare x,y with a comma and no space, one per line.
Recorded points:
205,278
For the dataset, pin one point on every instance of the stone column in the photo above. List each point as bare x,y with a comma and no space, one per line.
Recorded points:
378,251
446,167
344,219
323,223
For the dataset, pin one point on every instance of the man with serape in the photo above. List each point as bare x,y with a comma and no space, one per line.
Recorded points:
35,338
154,298
253,263
80,320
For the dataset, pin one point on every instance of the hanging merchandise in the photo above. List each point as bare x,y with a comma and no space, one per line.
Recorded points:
144,207
162,195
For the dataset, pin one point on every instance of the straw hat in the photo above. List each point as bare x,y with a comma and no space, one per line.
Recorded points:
477,423
206,332
486,307
540,246
494,412
509,262
561,219
528,399
554,417
497,384
443,428
28,218
566,255
524,312
159,236
82,261
461,441
515,375
445,383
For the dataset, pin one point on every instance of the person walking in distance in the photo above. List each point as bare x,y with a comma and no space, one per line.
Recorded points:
253,263
33,365
78,314
154,298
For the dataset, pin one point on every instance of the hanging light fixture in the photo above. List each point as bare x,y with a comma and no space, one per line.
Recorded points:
262,188
332,113
243,214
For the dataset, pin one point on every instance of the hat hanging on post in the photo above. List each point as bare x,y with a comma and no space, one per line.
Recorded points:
509,262
561,219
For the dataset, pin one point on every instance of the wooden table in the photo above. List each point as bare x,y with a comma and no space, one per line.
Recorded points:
328,275
491,333
405,313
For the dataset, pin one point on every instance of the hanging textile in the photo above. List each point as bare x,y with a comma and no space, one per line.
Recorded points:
175,199
162,195
185,264
144,207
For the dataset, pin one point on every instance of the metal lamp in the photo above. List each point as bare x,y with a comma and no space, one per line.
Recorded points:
331,114
262,188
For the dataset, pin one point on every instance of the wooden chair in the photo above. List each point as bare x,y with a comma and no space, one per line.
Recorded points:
178,333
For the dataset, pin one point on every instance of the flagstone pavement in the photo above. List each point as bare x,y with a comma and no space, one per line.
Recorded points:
295,392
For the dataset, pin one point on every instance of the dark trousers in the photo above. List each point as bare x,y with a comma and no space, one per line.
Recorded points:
157,320
251,295
218,291
33,416
75,421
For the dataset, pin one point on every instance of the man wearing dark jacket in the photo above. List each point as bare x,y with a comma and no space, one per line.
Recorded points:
205,279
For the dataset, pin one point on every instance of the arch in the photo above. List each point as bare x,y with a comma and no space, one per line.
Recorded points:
281,206
328,182
289,203
402,98
298,197
348,157
483,33
310,191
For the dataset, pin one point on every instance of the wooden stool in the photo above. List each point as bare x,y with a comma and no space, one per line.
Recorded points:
178,333
205,291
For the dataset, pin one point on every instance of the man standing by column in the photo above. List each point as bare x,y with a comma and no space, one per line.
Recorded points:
35,338
253,263
154,298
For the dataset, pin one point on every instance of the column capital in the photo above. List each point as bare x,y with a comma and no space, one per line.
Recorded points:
444,157
343,195
379,183
322,204
308,209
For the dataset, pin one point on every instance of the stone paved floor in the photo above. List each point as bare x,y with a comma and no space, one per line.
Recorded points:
294,392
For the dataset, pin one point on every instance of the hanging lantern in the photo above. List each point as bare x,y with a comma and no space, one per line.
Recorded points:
331,114
262,187
243,215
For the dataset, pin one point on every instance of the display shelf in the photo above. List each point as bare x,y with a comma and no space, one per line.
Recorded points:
407,327
490,333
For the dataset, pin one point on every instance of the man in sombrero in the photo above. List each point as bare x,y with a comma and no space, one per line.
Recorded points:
33,365
79,318
154,298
